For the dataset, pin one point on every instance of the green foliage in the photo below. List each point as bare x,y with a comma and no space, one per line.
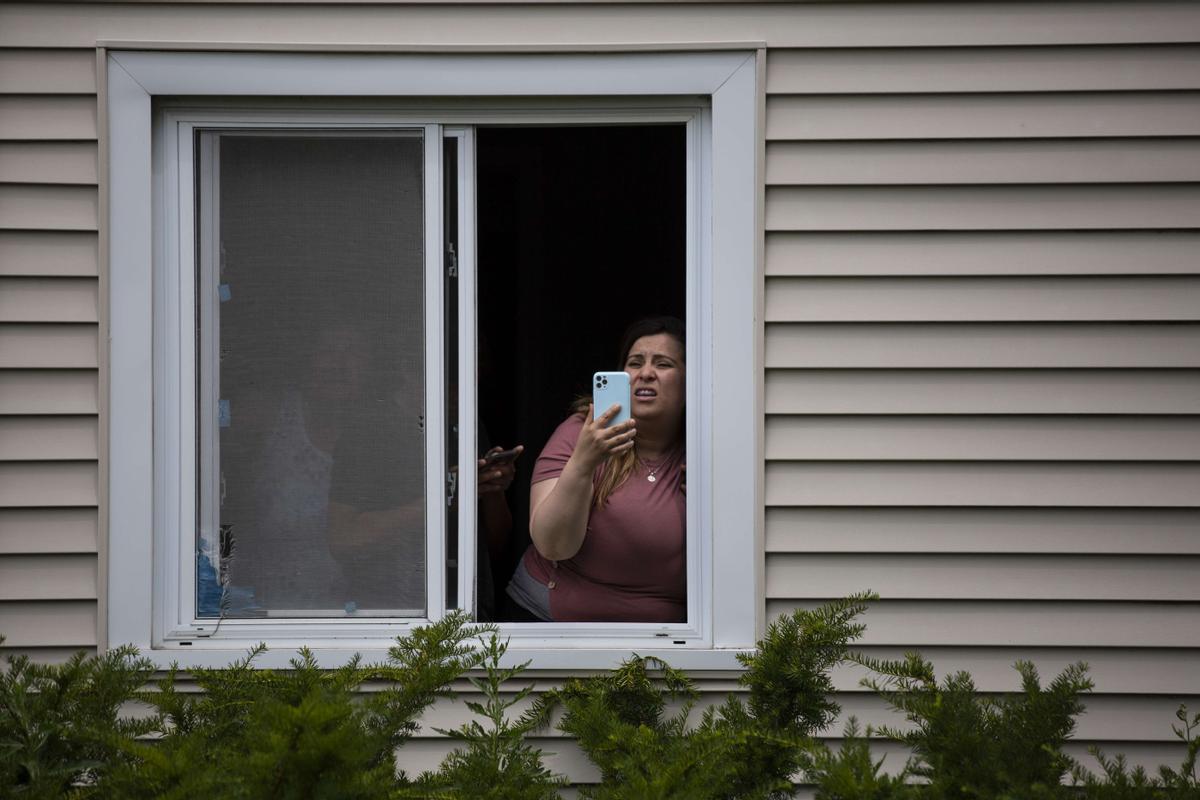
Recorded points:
788,675
969,746
1122,783
61,726
304,732
853,773
250,733
1185,779
307,732
496,763
633,723
419,671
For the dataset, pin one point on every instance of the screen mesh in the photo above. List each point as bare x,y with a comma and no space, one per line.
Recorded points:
312,303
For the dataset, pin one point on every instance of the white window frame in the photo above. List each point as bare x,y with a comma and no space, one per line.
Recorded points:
144,474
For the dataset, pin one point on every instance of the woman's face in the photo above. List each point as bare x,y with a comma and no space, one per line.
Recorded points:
657,379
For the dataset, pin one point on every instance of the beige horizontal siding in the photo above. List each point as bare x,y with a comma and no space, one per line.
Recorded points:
1107,716
49,438
942,345
1162,671
1067,531
564,758
976,116
921,483
980,438
48,346
63,253
982,299
982,208
1145,718
48,300
29,484
1115,670
945,197
972,391
46,71
48,162
45,655
988,161
991,576
816,25
48,530
1020,625
47,118
32,623
48,207
47,577
982,69
983,253
1107,719
1148,755
73,391
49,349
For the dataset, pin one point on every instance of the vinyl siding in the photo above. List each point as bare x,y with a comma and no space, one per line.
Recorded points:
978,398
981,304
49,351
992,253
980,401
28,253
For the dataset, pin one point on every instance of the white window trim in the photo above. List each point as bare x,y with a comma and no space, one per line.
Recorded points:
725,440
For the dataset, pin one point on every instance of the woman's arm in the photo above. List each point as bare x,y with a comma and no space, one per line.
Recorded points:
559,507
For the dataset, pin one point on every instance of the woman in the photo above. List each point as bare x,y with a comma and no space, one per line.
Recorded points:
607,511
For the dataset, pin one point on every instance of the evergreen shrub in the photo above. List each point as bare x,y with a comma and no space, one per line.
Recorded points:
61,727
94,727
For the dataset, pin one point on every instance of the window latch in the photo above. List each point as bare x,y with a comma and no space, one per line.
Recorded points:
451,487
451,261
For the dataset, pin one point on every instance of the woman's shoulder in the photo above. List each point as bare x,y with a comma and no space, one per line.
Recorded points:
569,427
558,448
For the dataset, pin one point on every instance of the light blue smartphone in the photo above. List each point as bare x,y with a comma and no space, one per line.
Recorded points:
609,388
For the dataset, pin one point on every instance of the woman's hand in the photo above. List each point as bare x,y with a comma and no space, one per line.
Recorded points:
597,440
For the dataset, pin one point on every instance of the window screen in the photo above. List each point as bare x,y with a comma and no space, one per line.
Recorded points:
310,348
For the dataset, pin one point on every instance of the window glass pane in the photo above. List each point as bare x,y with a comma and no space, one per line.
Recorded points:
311,364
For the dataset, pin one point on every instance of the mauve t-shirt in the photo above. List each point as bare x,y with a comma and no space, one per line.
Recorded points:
631,567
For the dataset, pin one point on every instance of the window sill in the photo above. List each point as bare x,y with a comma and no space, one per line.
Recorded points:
335,654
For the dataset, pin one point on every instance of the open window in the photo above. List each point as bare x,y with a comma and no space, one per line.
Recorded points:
349,299
582,230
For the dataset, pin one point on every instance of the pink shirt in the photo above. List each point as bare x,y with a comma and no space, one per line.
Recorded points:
631,567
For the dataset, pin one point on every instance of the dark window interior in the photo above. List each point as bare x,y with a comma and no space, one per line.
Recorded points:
581,230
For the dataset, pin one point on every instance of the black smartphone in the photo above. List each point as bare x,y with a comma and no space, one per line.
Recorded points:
501,456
